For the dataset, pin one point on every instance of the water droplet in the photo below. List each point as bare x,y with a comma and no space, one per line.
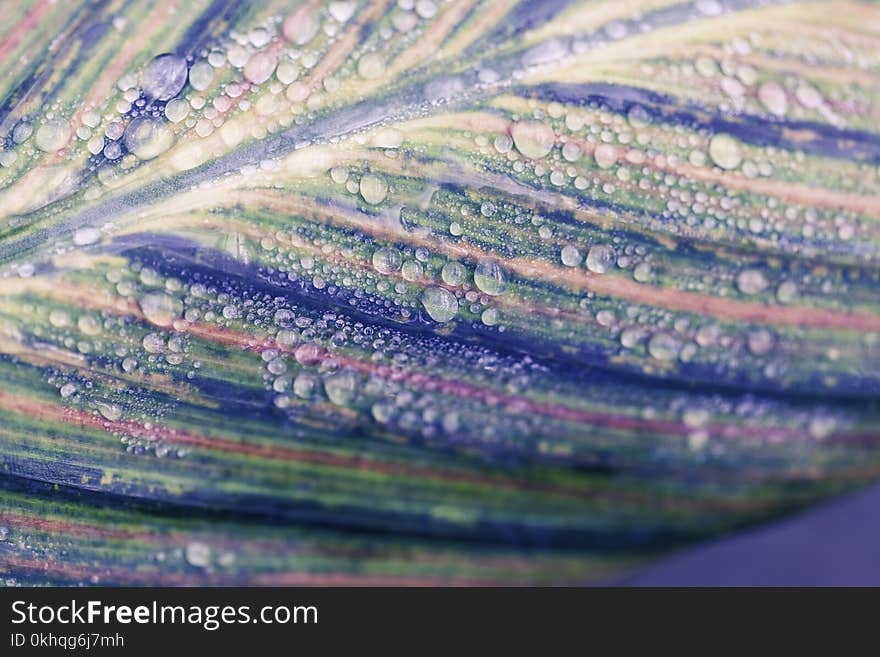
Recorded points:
533,139
606,318
724,151
760,342
342,11
403,21
277,366
176,110
86,236
260,67
570,256
454,273
339,175
153,343
110,412
630,337
821,427
600,258
440,304
751,281
308,354
370,66
787,292
664,346
426,8
489,317
287,337
341,388
571,151
387,260
201,75
287,72
490,277
53,135
22,132
304,385
772,97
59,318
411,270
301,28
198,554
164,77
638,117
88,325
642,272
808,95
382,412
606,155
503,143
147,138
160,309
373,189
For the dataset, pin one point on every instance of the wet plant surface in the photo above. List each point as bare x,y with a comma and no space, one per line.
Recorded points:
427,292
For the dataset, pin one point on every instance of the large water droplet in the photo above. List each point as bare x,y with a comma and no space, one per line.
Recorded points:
341,388
160,309
304,385
370,66
198,554
373,188
177,110
86,236
147,138
664,346
260,67
342,11
751,281
772,97
201,75
606,155
110,412
600,258
387,260
52,135
454,273
164,77
570,256
490,278
760,342
533,139
440,304
724,151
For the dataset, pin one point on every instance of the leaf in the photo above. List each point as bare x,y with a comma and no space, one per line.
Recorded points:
433,292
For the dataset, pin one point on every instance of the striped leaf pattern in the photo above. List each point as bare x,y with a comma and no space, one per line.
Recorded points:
429,291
